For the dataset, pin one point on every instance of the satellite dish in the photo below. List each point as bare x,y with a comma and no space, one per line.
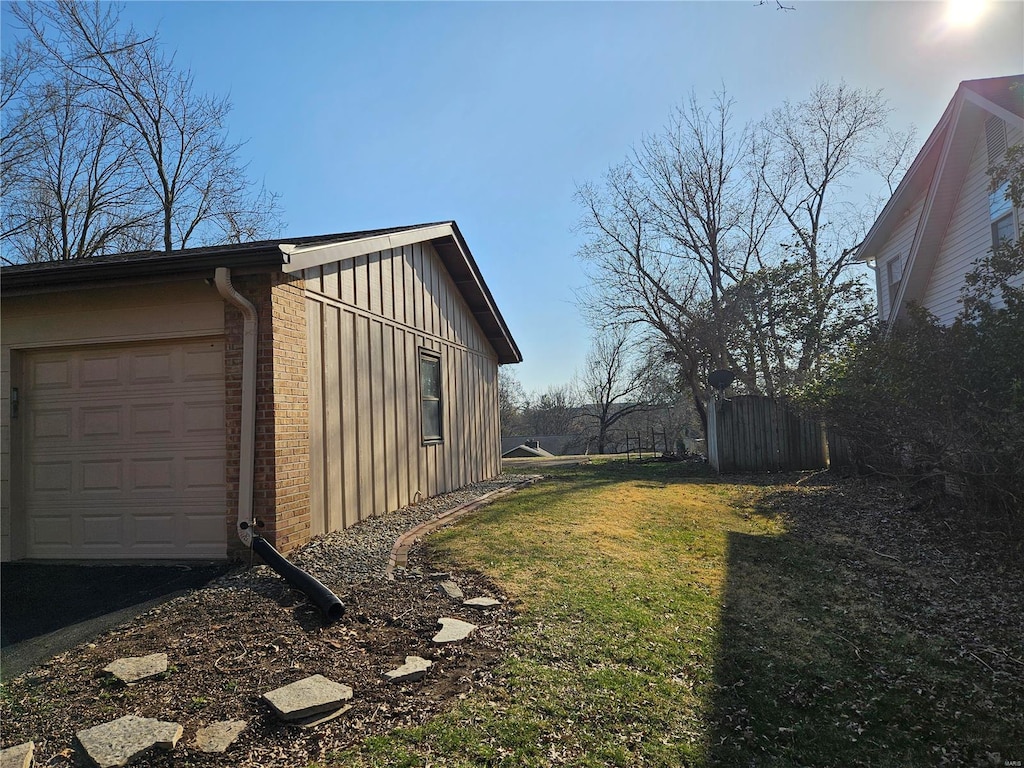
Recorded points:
721,379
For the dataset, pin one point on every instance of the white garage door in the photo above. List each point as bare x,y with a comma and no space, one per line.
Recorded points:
124,451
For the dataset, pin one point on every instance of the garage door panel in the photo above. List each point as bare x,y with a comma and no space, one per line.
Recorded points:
48,374
103,476
202,365
125,452
100,371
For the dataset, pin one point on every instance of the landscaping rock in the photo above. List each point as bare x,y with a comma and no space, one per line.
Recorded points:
18,757
452,589
134,668
453,630
305,698
315,720
481,602
217,737
121,741
415,668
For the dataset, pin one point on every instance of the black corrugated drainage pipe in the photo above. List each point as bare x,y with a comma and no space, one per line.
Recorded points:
328,602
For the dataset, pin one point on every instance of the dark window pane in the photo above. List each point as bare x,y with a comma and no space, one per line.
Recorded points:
431,419
430,377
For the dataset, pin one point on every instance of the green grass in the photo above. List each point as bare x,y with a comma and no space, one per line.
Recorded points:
666,621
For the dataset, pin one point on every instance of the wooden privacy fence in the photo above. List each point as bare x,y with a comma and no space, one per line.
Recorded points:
751,433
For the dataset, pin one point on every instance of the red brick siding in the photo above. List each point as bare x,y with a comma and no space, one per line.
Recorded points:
281,482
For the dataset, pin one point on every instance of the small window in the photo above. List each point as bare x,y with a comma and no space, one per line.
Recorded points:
1003,230
430,397
894,272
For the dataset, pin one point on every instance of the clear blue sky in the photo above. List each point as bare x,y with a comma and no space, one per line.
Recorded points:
365,115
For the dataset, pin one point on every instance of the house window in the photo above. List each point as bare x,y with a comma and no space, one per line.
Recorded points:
1003,229
431,404
894,272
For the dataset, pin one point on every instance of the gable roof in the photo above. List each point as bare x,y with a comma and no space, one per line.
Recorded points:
290,255
938,173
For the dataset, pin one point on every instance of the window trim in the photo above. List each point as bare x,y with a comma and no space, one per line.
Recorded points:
426,355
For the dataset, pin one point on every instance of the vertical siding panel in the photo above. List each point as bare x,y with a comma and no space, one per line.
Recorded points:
333,428
392,459
408,286
347,281
387,284
360,272
373,277
417,453
317,496
349,501
364,417
378,404
418,290
402,418
330,279
460,445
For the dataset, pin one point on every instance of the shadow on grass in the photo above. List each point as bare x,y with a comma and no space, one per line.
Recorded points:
835,653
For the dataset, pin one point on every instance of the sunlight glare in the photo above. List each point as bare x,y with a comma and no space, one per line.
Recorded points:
964,13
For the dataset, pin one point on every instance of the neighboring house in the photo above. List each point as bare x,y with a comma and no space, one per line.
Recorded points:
557,445
943,216
152,401
529,450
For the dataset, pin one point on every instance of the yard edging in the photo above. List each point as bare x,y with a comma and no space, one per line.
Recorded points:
399,557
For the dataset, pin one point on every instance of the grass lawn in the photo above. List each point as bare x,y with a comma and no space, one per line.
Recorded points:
671,619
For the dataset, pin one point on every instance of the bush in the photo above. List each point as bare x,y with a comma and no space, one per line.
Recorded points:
927,401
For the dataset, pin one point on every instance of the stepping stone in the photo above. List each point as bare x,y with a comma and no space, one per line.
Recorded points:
19,756
439,576
217,737
121,741
452,589
315,720
415,668
134,668
453,630
481,602
308,697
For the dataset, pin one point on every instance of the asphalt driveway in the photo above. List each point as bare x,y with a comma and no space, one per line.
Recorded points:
46,609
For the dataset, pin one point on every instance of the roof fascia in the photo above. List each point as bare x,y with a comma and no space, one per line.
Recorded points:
918,269
300,257
995,109
885,222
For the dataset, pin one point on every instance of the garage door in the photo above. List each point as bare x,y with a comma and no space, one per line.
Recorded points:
124,451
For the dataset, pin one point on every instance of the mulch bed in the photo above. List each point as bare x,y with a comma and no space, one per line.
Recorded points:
229,645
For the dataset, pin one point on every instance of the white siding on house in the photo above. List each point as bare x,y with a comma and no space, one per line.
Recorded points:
368,318
968,236
898,246
86,318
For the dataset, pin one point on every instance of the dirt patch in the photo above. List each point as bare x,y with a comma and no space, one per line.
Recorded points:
230,643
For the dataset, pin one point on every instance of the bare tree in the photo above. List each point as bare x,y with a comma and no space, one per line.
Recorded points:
614,383
552,412
807,153
511,401
143,159
669,231
734,247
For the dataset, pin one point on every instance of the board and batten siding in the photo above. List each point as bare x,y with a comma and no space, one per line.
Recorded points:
368,317
968,236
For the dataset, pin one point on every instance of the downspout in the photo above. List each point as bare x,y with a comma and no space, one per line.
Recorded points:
325,600
247,448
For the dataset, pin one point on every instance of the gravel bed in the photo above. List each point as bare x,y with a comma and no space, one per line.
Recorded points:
361,552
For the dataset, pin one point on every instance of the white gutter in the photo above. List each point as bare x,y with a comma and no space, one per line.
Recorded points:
247,449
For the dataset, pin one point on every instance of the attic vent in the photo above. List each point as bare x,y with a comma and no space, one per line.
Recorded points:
995,136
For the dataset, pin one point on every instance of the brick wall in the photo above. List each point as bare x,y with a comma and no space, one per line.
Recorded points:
281,482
